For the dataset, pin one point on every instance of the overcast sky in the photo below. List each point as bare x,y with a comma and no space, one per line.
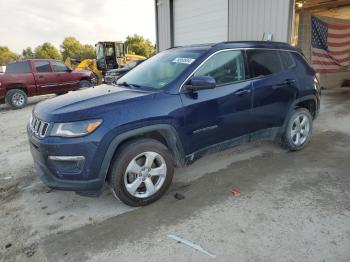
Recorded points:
32,22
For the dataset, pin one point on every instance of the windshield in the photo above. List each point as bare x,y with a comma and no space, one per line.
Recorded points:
161,69
99,51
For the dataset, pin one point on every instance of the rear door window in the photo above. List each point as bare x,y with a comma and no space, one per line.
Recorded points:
287,60
43,66
18,68
264,62
225,67
59,66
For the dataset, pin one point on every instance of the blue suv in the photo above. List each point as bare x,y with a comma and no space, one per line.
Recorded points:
169,111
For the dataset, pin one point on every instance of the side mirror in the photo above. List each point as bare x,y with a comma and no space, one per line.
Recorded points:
69,70
200,83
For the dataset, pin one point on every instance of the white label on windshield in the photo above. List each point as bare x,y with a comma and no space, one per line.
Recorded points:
183,60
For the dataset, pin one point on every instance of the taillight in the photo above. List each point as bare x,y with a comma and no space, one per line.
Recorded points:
318,77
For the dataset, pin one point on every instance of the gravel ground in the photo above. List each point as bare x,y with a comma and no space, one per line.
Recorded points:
292,207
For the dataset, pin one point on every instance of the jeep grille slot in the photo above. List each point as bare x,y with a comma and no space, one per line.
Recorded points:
38,127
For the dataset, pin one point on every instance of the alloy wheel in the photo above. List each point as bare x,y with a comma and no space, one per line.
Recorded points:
145,174
300,129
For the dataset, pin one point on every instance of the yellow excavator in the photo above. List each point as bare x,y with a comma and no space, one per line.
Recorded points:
109,55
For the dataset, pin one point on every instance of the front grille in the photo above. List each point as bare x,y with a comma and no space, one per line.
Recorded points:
38,127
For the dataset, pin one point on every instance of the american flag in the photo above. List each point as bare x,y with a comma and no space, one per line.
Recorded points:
330,46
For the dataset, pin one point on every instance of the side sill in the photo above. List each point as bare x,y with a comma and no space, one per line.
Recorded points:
261,135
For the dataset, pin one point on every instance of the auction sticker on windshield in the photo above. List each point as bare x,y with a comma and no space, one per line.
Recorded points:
183,60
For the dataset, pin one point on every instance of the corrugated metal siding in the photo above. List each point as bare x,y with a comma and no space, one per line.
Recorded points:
163,27
200,21
249,19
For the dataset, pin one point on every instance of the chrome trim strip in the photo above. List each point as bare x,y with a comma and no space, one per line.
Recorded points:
205,129
66,158
60,84
231,49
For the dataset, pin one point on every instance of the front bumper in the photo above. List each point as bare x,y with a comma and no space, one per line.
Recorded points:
69,166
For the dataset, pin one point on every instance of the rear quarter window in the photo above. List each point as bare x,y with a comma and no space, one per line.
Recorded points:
18,68
264,62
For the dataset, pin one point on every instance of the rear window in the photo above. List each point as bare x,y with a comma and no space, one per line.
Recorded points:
264,62
287,60
42,66
17,68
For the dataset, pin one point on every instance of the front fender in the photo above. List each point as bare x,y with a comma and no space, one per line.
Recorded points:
166,130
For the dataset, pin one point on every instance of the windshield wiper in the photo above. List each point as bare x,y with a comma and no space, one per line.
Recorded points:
129,85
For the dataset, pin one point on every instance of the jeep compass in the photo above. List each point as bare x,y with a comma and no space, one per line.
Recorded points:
169,111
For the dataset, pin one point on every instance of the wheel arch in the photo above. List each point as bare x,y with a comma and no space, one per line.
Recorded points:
303,102
17,86
163,133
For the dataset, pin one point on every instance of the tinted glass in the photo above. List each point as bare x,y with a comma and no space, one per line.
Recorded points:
42,66
264,62
225,67
59,66
20,67
287,60
161,69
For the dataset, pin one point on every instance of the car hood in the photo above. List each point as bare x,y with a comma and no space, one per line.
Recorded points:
86,104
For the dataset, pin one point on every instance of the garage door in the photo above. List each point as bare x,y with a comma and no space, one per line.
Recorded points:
200,21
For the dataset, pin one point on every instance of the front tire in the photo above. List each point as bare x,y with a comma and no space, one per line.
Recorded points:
16,98
85,84
298,130
141,172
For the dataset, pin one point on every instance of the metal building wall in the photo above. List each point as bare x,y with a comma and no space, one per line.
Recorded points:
163,24
249,19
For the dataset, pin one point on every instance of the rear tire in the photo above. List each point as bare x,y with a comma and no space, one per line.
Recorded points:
141,172
298,130
16,98
85,84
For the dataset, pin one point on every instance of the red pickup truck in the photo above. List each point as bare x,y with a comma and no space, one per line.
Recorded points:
37,77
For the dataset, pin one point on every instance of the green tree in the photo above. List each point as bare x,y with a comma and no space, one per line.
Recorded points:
87,51
7,56
139,45
28,53
72,48
46,51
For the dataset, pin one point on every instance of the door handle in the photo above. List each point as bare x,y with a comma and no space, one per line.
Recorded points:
242,92
288,82
41,76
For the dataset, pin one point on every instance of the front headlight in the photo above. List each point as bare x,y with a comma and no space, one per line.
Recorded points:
75,129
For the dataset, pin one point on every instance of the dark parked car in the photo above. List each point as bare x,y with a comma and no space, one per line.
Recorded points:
113,75
37,77
169,111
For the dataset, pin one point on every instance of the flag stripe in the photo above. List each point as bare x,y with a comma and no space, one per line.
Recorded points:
325,71
332,53
338,32
338,48
338,40
338,26
333,44
338,35
329,62
338,57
